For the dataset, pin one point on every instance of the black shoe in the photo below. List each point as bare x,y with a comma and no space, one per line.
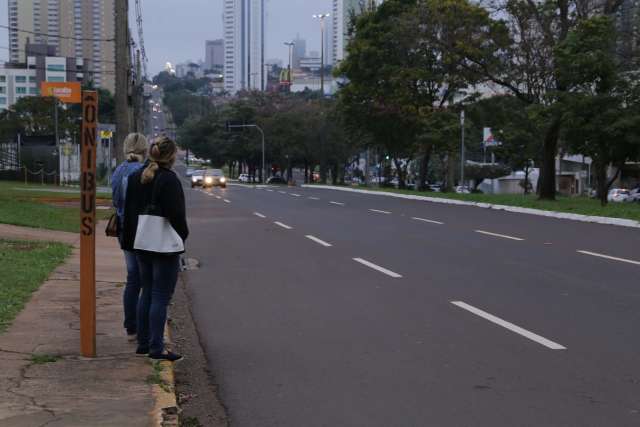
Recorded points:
171,357
142,351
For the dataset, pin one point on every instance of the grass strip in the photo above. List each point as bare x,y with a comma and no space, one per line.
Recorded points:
25,266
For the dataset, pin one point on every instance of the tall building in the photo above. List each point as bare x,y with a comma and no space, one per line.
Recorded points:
342,10
76,28
214,55
628,25
244,45
299,51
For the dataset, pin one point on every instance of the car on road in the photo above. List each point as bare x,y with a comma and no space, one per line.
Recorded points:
276,180
618,195
208,178
243,177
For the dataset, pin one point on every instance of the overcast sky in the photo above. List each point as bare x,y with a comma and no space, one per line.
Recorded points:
175,30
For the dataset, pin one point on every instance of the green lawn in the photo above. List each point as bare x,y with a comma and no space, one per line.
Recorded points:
25,266
43,207
576,205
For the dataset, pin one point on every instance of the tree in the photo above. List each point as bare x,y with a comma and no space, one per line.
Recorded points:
602,105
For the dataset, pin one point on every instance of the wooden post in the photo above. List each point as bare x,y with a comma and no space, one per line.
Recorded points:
88,224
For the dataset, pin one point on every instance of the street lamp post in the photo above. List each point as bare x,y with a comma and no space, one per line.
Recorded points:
290,45
462,151
322,17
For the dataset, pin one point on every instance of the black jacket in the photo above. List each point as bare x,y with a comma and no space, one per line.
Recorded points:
170,202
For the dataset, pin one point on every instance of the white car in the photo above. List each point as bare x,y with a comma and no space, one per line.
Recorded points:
634,195
463,189
243,177
618,195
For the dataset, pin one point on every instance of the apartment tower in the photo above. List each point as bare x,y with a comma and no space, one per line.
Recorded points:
244,45
76,28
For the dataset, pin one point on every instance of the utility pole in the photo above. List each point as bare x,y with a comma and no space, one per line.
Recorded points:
322,17
138,100
289,76
122,102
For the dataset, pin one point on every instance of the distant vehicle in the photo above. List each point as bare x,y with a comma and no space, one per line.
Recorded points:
208,178
634,195
618,195
276,180
435,188
243,177
463,189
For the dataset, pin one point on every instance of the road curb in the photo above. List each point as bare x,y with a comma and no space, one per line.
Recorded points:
166,412
530,211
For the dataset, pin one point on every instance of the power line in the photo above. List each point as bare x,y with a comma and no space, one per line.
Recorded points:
55,36
143,51
70,57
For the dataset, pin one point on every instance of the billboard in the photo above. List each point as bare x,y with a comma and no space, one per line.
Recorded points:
67,92
488,140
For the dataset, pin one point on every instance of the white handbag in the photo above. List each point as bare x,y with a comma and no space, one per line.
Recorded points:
155,233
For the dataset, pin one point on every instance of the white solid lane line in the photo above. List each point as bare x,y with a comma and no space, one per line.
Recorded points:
378,268
510,326
504,236
379,211
295,195
259,215
321,242
613,258
285,226
314,198
430,221
337,203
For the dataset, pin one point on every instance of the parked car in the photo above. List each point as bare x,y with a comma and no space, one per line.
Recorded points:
463,189
634,195
618,195
276,180
243,177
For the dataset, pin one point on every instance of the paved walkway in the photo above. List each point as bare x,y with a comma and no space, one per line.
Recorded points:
110,390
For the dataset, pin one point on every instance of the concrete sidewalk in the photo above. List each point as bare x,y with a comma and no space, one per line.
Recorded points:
110,390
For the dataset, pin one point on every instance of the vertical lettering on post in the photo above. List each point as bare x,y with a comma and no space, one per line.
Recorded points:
88,224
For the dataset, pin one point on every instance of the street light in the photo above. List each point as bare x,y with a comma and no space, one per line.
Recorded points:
291,45
462,151
321,17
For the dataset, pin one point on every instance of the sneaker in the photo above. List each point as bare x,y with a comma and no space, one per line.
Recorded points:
142,351
167,355
132,337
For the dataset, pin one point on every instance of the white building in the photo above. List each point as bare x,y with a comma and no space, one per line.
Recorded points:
16,83
244,45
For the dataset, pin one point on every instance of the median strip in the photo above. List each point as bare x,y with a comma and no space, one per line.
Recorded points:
503,236
378,268
285,226
319,241
510,326
430,221
612,258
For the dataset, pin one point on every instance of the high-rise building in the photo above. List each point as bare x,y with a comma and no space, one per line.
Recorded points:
76,28
299,51
214,55
244,45
342,10
628,25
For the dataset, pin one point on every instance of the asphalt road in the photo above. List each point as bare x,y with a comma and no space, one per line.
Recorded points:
417,314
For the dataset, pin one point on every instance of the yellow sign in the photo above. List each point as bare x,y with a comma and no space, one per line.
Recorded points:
67,92
106,134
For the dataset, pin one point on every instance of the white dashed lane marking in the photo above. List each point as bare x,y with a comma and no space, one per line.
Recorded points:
510,326
259,215
285,226
319,241
380,212
430,221
612,258
337,203
503,236
378,268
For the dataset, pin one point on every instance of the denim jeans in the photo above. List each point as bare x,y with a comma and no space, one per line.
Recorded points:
131,293
158,274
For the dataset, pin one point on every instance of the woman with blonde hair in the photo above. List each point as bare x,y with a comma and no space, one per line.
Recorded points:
159,187
135,149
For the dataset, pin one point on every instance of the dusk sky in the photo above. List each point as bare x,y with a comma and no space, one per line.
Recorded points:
175,30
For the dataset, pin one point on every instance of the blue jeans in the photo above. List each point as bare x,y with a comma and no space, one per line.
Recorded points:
131,292
159,275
